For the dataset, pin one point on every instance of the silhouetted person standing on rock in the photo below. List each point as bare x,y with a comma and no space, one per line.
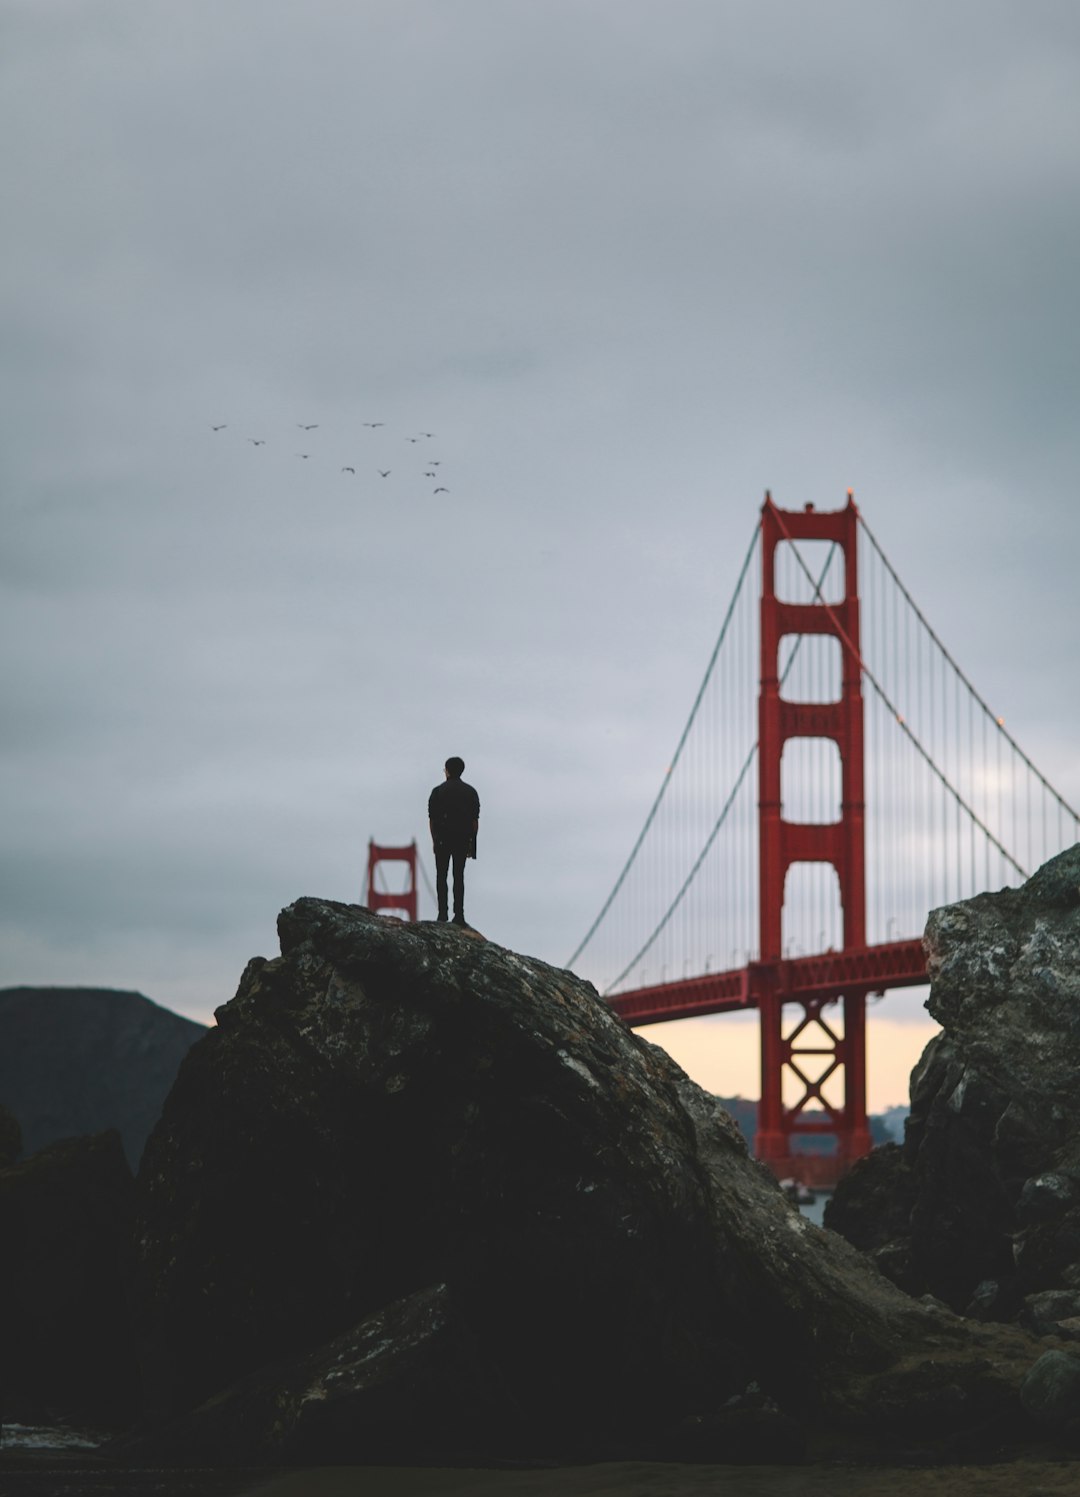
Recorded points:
454,819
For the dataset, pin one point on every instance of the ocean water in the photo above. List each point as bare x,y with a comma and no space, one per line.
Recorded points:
814,1210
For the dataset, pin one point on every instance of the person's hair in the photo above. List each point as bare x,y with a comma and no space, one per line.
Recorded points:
455,767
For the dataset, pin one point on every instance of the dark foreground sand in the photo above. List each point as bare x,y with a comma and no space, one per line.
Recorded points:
641,1479
82,1477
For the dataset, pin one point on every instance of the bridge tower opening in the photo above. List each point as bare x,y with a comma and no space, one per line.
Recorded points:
815,1049
403,901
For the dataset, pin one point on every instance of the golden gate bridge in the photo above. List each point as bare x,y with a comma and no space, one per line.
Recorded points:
838,776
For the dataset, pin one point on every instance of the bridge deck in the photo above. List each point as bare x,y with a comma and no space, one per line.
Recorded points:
870,969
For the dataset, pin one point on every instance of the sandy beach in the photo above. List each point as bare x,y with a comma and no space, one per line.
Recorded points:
645,1479
67,1473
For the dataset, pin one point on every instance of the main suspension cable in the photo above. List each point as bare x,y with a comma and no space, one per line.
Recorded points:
678,752
875,683
999,722
673,906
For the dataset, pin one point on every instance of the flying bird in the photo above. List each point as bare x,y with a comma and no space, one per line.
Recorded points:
442,491
257,441
348,470
303,454
374,423
431,475
221,427
427,433
412,439
384,474
313,427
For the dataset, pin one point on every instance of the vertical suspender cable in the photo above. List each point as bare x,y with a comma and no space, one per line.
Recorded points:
720,820
957,703
1000,806
677,755
1066,808
1010,796
985,813
974,782
932,734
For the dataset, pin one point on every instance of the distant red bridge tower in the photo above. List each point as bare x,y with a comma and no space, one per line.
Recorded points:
812,1051
381,899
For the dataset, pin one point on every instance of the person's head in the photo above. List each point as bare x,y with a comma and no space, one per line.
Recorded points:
455,768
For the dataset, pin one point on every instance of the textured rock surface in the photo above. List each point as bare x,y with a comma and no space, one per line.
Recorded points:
982,1207
78,1061
873,1205
65,1264
1051,1391
10,1137
408,1383
386,1107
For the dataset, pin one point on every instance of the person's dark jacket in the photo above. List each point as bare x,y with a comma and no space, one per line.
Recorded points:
453,810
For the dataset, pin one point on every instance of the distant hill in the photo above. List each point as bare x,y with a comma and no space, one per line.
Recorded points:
894,1120
884,1128
744,1111
75,1061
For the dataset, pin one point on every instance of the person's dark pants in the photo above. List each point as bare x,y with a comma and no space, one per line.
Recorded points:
443,856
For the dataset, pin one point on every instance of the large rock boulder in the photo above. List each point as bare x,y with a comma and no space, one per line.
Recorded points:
67,1349
79,1061
10,1137
406,1115
981,1206
407,1381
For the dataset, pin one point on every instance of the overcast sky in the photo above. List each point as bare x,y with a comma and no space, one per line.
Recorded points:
632,264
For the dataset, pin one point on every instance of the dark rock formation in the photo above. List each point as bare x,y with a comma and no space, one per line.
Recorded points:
409,1380
66,1262
405,1116
981,1206
872,1208
78,1061
1051,1392
10,1138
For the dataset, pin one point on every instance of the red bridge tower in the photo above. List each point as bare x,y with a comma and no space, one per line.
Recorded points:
378,899
782,842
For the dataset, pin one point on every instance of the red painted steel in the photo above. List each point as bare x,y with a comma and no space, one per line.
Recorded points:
874,969
813,982
380,900
783,842
815,1049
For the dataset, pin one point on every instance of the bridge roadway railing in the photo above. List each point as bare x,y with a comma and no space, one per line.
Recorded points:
832,974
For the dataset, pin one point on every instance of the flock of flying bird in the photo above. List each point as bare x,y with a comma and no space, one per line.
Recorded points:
431,464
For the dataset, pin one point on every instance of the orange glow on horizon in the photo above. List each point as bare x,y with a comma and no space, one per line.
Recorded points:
723,1054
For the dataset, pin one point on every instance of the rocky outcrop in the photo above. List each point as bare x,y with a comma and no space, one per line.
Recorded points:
79,1061
10,1138
981,1205
406,1148
408,1380
66,1258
